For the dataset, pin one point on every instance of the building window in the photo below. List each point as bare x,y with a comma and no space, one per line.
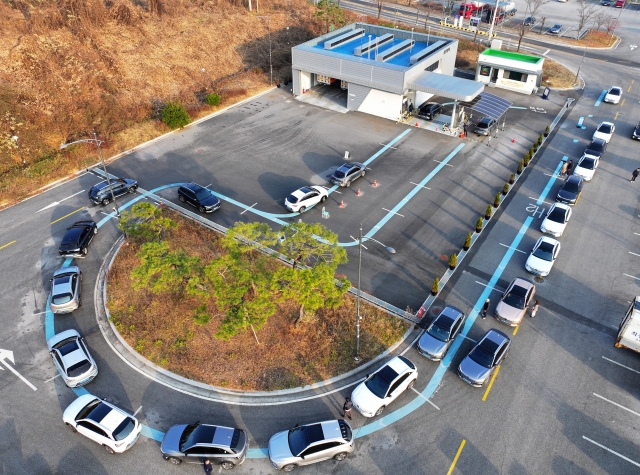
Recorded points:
433,67
515,76
485,70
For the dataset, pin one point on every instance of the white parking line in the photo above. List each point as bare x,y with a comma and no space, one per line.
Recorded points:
51,379
637,234
419,185
611,451
536,199
514,248
425,398
445,163
545,53
616,404
634,253
631,276
492,288
137,411
208,185
620,364
384,145
471,339
389,211
249,208
56,203
357,241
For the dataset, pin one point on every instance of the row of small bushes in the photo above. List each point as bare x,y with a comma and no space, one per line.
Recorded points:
453,259
175,115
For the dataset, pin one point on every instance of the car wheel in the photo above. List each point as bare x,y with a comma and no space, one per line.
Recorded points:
323,199
302,209
108,449
181,198
289,468
347,184
411,384
79,302
173,460
379,411
363,172
84,251
340,457
201,209
227,465
133,189
105,201
73,429
95,230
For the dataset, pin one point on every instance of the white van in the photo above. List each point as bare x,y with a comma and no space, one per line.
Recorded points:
629,331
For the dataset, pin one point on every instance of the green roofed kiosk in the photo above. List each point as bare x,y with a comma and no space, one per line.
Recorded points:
513,71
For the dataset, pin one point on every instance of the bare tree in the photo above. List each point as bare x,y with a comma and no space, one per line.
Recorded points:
611,25
544,18
429,7
379,5
600,19
534,5
448,7
586,11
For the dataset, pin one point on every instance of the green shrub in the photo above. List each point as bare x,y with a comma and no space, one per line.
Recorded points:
213,99
202,317
520,166
489,212
435,288
453,260
467,241
175,116
512,179
479,223
505,188
497,200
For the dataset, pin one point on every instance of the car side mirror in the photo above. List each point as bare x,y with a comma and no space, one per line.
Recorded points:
50,280
367,376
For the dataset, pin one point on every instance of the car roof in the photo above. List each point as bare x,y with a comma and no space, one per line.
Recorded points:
549,240
192,186
208,434
399,364
520,282
62,285
82,224
573,178
58,337
492,340
66,270
300,192
107,416
597,140
448,316
485,120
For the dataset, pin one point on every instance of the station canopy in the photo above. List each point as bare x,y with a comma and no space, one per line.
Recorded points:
488,104
456,88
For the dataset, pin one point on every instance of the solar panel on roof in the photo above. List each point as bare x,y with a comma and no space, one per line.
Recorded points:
489,104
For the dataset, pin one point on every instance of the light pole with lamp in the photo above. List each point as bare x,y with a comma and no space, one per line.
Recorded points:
97,143
268,17
391,251
15,139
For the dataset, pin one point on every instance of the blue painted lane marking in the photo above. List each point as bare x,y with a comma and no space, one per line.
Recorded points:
152,433
602,94
547,188
49,330
257,453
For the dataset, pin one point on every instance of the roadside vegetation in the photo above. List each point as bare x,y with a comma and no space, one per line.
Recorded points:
218,310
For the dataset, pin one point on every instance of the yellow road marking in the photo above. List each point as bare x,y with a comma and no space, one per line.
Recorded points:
629,90
493,378
515,330
578,199
455,459
621,104
66,216
8,244
616,116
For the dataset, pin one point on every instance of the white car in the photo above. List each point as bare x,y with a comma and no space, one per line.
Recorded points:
381,388
604,131
543,256
103,423
304,198
613,95
586,167
556,220
72,358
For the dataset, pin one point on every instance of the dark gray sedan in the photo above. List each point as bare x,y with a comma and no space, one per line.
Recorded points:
437,339
224,446
347,173
483,359
65,290
570,191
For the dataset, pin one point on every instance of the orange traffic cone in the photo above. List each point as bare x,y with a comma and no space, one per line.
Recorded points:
375,184
342,205
416,124
436,128
513,140
358,193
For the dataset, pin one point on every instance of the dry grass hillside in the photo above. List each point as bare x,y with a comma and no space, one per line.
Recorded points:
71,67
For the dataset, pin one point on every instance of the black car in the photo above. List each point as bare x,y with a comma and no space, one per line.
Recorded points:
101,193
76,240
636,132
199,197
429,110
188,443
485,126
530,21
347,173
570,191
606,3
596,148
482,360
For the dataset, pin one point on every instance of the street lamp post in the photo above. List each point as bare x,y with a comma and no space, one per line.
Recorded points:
268,17
581,62
97,143
391,251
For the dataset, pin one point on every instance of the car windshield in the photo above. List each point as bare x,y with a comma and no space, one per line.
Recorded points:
297,440
481,356
605,128
339,173
202,194
78,369
544,251
515,297
292,199
614,92
571,186
596,146
379,383
557,27
61,298
68,348
124,429
438,332
557,215
483,124
588,163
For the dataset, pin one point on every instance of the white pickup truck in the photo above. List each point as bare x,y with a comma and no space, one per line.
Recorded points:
629,331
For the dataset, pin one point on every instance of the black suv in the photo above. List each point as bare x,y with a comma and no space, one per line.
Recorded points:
570,191
596,148
429,110
101,193
347,173
199,197
636,132
76,240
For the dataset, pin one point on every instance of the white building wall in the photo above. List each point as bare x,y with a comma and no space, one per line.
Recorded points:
381,103
305,81
422,97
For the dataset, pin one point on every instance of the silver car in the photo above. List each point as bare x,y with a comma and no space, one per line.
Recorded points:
483,359
311,443
515,301
347,173
437,339
65,290
72,358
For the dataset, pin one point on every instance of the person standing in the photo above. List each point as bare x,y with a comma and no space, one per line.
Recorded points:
346,408
563,170
569,167
206,465
535,308
634,174
485,308
464,127
410,108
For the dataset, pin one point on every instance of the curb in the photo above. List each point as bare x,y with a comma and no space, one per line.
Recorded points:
213,393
